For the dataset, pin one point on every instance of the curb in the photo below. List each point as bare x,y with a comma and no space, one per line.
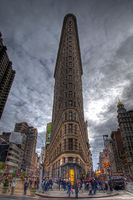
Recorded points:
64,197
16,197
130,191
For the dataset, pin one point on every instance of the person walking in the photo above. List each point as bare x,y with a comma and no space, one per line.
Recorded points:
95,186
59,183
92,186
13,184
106,186
76,190
25,187
69,189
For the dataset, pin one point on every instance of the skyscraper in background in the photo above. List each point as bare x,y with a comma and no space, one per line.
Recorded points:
6,76
29,146
125,120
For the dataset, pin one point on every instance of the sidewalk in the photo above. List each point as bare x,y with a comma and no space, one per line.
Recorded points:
129,187
3,196
82,194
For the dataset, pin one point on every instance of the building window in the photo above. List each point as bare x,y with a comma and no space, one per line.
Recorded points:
65,115
70,143
70,159
70,70
60,148
70,103
70,77
70,126
64,144
70,85
75,129
70,94
79,147
70,115
76,144
65,128
66,94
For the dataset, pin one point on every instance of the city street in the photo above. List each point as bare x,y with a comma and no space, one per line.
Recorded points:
122,195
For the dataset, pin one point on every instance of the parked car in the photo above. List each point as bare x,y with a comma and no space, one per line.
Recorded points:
118,182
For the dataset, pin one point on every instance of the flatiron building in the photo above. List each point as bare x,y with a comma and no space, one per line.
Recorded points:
69,149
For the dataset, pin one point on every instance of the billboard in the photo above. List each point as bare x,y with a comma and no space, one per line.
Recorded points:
71,175
48,134
16,138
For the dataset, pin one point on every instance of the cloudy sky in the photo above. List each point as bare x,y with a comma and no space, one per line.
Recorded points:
31,31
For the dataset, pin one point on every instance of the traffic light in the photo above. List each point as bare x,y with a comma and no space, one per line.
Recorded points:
107,164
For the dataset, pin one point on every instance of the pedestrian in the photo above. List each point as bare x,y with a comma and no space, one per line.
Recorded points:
106,186
92,186
13,184
59,183
69,189
30,182
50,184
101,185
76,190
110,185
95,186
25,187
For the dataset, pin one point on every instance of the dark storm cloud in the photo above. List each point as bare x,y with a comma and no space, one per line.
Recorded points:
31,31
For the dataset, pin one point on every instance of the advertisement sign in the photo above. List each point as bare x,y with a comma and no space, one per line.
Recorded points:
48,134
71,173
16,138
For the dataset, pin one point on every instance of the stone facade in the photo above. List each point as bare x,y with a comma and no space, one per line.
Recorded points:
117,145
29,146
69,146
125,120
6,76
